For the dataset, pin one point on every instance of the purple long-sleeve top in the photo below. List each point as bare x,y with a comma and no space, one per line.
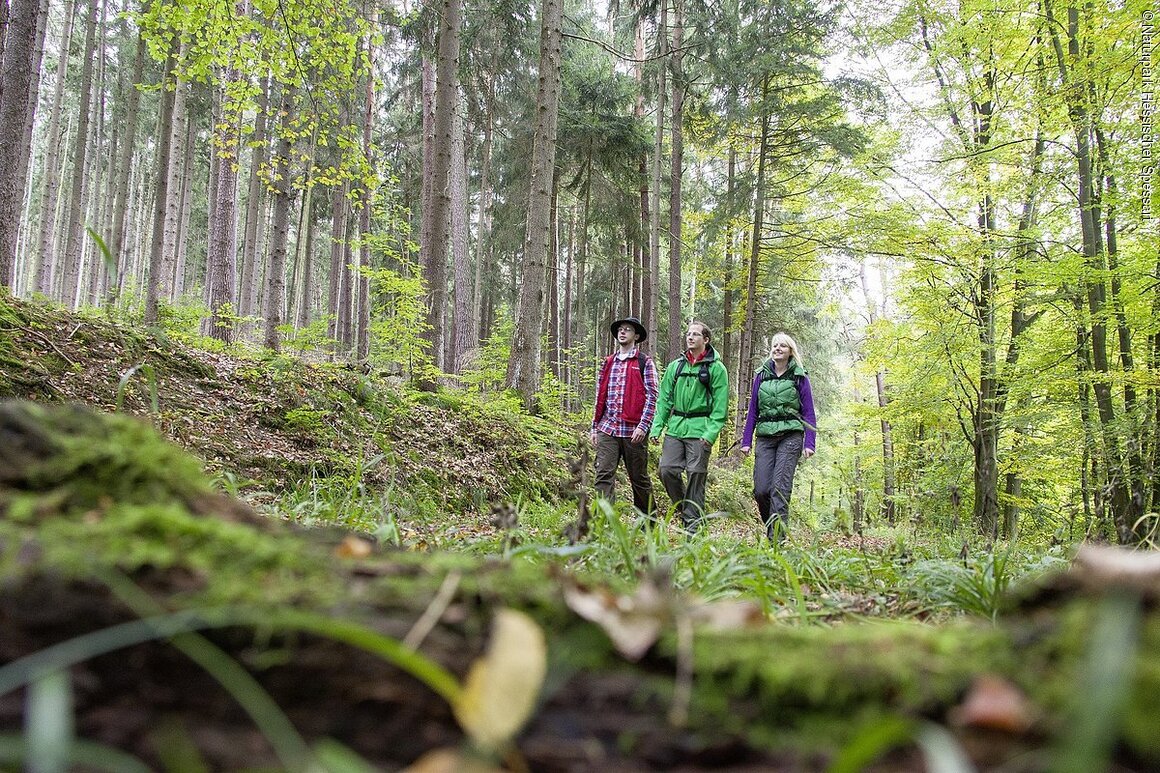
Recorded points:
809,418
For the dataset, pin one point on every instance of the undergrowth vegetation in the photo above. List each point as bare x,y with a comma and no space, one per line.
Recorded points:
321,444
452,480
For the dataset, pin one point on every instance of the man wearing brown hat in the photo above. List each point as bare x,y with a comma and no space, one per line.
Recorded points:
626,401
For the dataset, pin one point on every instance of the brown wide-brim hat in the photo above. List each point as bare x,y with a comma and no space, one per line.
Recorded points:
642,334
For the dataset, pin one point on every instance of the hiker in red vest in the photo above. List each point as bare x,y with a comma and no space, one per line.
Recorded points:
626,401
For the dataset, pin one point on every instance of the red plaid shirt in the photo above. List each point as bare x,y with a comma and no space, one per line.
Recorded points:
612,421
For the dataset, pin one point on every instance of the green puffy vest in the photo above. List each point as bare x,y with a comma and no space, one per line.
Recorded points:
779,407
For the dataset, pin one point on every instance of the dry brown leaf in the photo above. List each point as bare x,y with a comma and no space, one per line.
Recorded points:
501,688
994,703
633,623
728,615
353,547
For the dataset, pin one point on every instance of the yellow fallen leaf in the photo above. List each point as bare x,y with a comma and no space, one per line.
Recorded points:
502,686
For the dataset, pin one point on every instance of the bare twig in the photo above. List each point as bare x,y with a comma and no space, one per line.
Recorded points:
45,340
434,611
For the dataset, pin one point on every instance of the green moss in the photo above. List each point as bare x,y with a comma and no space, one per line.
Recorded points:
1144,702
815,680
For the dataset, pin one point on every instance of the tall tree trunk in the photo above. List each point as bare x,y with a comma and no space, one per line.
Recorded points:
124,166
16,79
301,290
178,155
1134,457
464,335
160,195
427,204
486,199
1091,472
47,270
446,97
553,283
256,192
523,366
25,256
676,167
222,257
857,491
366,200
337,274
581,319
745,364
1075,91
888,493
97,178
566,323
654,238
184,274
726,352
346,293
1021,319
644,310
74,234
283,196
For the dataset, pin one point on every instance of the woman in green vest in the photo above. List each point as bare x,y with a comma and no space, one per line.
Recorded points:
781,415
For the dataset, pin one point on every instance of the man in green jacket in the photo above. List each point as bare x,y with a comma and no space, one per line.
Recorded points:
691,410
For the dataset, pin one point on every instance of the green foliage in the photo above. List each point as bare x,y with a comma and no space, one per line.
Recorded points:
977,585
306,420
552,396
349,501
488,373
315,337
399,322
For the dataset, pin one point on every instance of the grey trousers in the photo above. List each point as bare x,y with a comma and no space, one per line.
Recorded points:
681,455
609,451
775,461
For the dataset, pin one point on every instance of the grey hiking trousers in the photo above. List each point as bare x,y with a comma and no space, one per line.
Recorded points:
609,451
775,461
691,455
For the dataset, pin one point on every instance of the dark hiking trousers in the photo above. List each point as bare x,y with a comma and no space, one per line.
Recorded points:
609,451
691,455
774,464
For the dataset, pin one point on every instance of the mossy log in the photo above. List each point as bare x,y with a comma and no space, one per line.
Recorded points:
102,522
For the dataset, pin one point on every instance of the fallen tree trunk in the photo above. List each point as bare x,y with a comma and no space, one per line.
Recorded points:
267,646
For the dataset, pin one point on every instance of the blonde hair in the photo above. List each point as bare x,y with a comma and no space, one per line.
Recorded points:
786,339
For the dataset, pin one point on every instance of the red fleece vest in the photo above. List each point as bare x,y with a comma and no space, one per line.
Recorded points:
633,406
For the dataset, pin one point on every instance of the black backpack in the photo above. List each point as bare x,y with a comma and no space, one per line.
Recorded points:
701,375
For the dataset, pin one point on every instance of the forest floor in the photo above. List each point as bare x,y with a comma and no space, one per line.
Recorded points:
264,427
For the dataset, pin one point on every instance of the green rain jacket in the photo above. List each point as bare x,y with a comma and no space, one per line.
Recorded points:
689,409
